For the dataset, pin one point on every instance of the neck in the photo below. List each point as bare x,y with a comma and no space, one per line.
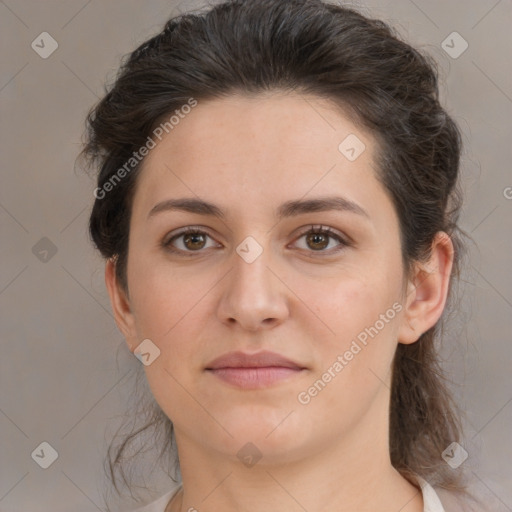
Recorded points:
353,474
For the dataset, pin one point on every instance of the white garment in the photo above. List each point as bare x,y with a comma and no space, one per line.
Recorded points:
431,500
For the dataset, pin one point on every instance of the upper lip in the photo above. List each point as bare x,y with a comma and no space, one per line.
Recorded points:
258,360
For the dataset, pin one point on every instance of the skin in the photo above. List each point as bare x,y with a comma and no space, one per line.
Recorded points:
248,155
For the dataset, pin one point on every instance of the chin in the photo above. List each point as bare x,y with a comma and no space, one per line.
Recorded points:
277,435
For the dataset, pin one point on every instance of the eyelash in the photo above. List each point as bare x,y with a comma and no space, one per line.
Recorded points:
323,230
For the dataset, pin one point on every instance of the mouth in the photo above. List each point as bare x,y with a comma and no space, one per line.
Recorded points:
254,371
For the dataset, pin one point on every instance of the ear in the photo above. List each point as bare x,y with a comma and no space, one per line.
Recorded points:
120,305
427,290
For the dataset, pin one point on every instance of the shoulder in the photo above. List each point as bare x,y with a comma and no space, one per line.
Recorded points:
478,496
453,502
478,499
160,504
437,499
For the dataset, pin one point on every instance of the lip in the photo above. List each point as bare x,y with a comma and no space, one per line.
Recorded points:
262,359
254,371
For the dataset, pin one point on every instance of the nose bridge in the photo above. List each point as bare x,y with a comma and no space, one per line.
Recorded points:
252,294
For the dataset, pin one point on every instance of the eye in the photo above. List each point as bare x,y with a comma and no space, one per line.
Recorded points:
317,239
193,240
189,240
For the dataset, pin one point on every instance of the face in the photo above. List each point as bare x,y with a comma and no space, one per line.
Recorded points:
299,256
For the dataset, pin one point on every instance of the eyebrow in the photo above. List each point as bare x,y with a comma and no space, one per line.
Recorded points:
287,209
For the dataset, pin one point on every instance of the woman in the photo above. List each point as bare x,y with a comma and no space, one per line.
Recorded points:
277,204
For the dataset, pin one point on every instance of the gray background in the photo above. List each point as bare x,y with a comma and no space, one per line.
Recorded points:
66,375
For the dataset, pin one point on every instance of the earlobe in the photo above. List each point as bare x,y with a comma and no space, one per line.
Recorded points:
427,290
120,304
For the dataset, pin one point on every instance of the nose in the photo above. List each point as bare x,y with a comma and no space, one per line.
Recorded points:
254,296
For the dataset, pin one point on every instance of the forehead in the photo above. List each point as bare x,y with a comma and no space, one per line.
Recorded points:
267,127
258,152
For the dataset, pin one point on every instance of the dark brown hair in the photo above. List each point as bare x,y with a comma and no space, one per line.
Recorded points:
362,66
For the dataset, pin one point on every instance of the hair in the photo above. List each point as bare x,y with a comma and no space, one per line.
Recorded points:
363,67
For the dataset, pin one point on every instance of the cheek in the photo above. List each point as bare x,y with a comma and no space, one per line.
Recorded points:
345,306
173,308
163,297
170,310
357,336
353,364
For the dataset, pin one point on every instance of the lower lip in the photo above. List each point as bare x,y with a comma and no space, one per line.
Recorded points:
254,378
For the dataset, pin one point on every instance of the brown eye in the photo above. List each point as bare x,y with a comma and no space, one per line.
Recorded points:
318,238
189,241
317,241
194,241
